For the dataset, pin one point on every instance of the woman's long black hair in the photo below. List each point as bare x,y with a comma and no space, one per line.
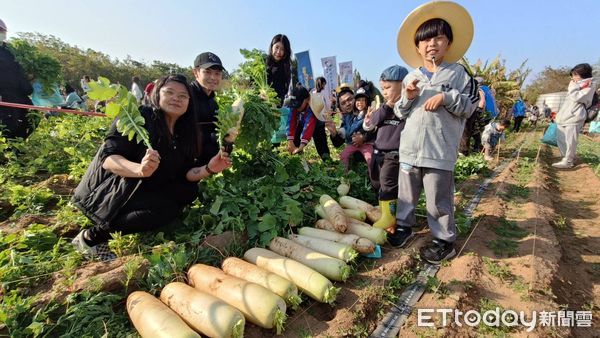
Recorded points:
186,124
287,57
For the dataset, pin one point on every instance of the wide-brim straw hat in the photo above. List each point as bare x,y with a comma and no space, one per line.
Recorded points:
457,17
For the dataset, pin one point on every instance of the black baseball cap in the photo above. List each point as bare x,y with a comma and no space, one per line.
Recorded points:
299,94
208,60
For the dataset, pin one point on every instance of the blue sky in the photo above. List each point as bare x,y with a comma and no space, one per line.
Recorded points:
547,33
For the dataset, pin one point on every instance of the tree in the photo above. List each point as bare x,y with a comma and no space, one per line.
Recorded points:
77,62
550,80
505,84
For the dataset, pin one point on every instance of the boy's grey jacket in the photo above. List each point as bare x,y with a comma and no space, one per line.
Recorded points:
574,110
430,139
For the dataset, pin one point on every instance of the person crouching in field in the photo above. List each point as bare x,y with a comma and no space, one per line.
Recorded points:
385,165
439,96
492,134
129,188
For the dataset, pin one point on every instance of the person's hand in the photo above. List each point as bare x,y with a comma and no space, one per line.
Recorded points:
149,163
434,102
291,147
219,162
391,101
585,84
330,125
412,90
369,113
299,150
358,139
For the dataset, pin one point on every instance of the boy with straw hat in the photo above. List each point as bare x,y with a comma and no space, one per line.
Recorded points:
439,96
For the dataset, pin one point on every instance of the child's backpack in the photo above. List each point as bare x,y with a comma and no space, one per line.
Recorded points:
593,109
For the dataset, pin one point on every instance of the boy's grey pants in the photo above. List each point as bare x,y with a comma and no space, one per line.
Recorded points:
439,195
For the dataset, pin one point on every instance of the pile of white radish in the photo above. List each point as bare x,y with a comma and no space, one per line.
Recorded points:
218,302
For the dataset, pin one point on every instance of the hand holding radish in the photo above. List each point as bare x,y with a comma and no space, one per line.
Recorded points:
219,162
149,163
291,147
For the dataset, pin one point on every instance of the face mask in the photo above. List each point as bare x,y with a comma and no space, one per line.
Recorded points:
2,36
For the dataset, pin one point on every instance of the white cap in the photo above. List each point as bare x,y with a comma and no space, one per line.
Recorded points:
2,26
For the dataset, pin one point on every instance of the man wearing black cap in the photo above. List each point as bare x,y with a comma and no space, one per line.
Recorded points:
208,73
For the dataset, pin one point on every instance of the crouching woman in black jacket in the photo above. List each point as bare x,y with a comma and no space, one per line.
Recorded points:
129,188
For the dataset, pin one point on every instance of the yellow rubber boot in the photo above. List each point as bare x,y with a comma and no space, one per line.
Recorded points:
388,214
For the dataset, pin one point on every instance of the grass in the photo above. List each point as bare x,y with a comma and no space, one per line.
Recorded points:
509,229
495,269
560,223
588,151
503,273
517,191
434,285
486,304
525,171
503,246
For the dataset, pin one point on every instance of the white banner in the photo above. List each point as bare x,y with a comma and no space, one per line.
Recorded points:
346,75
331,76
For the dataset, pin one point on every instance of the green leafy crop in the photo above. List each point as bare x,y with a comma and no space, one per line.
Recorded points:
122,105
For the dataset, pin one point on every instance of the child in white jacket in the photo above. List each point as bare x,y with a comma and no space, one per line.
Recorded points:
492,134
573,112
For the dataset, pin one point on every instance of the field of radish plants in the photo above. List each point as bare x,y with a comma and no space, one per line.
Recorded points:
267,200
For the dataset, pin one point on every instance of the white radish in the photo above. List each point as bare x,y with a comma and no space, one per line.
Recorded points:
356,214
329,248
152,318
362,229
312,283
203,312
343,189
373,215
359,244
239,268
330,267
258,304
335,213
